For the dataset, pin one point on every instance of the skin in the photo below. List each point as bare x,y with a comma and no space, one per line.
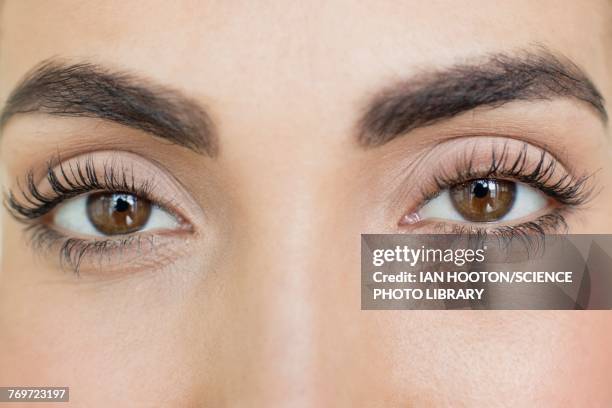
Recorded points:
262,307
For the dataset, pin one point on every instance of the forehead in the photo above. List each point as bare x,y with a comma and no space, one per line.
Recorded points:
301,55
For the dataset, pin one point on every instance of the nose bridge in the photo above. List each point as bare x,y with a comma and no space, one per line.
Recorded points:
275,285
297,291
282,205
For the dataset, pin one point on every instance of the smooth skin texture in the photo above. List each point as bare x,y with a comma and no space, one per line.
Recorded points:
261,307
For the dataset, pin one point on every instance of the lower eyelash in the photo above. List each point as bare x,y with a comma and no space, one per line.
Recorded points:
529,237
547,223
72,251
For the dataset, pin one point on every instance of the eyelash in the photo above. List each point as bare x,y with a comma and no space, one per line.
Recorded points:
68,182
82,177
78,180
568,191
73,250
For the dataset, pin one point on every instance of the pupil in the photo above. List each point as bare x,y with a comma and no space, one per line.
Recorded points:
121,205
481,189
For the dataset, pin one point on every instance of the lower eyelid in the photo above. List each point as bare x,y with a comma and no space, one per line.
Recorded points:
553,222
108,257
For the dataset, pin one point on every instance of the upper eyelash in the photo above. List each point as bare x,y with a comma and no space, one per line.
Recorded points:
568,190
69,182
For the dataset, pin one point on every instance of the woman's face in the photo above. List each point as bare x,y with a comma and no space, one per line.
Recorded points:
249,144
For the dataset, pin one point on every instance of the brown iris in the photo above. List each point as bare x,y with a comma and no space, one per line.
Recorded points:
117,213
483,200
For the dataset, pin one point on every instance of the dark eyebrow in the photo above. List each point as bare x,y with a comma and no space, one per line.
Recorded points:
89,90
500,78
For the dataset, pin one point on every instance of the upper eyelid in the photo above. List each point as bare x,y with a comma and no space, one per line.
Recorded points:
75,177
38,204
503,163
510,138
468,162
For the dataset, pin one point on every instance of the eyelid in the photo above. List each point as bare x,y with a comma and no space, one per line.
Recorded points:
109,257
121,253
461,160
101,171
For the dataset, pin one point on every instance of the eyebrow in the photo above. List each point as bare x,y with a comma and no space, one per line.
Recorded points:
498,79
90,90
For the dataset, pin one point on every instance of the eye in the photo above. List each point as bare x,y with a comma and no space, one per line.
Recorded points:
108,213
485,200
